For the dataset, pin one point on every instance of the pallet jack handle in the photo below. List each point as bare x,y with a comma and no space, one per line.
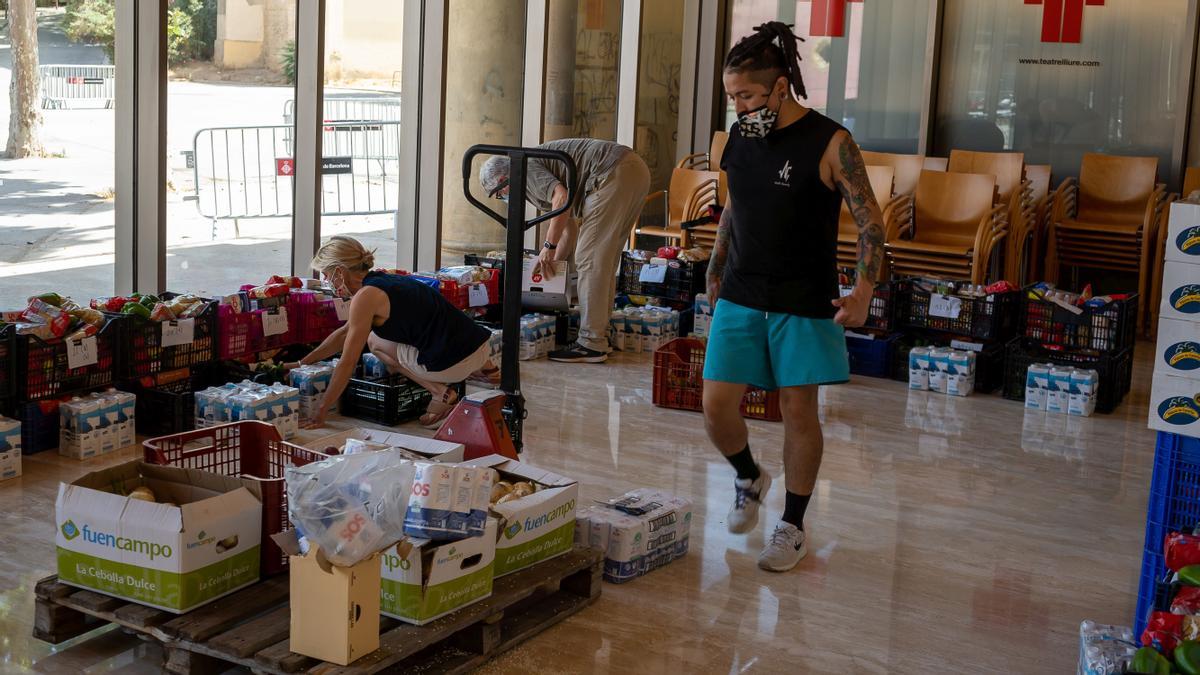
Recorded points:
510,377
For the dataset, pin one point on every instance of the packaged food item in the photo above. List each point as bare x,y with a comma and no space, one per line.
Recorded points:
1181,550
373,368
918,369
42,312
939,368
352,506
1186,600
1105,650
1037,385
1058,394
1081,400
1165,630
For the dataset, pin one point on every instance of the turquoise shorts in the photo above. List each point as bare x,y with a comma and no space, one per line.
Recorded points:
774,350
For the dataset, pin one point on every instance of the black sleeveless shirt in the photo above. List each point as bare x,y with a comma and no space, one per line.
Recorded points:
783,249
420,317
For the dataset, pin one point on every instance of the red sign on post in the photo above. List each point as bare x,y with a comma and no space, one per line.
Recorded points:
285,166
1062,20
828,18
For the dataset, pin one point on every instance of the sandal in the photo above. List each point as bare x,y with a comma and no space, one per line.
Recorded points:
438,411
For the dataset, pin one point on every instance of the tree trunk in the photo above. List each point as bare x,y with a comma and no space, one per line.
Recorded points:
25,120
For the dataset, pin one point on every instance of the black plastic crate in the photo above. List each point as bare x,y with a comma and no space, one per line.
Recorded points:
8,353
142,352
988,318
989,358
1104,329
42,367
1115,369
170,408
388,401
882,314
39,426
683,280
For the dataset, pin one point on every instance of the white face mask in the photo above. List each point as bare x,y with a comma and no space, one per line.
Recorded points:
759,122
338,281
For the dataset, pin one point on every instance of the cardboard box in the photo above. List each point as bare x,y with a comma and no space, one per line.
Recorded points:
1180,292
425,581
1183,233
171,557
10,435
1175,405
538,292
335,610
537,527
1178,350
442,451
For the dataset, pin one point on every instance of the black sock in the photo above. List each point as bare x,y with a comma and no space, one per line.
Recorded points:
743,463
794,508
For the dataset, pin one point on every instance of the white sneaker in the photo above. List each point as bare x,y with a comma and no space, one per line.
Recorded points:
748,496
785,549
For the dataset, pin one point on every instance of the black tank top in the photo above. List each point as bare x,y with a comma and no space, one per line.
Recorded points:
783,248
420,317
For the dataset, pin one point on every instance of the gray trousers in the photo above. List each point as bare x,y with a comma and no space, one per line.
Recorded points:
608,215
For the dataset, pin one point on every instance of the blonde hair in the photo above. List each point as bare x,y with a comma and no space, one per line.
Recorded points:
343,251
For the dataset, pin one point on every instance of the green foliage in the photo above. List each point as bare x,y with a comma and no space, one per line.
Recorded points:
287,55
191,27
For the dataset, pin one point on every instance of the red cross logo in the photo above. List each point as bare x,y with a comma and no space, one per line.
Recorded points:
828,18
1062,20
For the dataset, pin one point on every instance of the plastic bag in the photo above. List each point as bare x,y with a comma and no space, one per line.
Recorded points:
352,506
1103,649
1181,550
1186,601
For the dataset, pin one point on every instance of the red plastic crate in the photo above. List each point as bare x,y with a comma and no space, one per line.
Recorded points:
42,369
239,333
459,295
679,382
317,316
250,450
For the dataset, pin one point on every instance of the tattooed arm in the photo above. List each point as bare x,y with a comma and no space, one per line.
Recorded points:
720,252
843,166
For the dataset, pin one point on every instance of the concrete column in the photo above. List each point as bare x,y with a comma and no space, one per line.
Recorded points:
483,92
560,68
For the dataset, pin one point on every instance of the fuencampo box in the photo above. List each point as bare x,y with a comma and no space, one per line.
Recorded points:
1175,404
426,581
1183,233
1180,292
536,527
200,542
1178,350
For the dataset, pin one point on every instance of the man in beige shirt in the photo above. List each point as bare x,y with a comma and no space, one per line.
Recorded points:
612,186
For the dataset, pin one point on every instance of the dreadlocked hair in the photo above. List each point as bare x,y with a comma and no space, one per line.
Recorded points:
769,52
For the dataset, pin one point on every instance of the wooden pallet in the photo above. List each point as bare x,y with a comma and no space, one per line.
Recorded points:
249,628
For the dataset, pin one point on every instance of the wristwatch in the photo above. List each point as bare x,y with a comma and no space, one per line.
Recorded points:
548,246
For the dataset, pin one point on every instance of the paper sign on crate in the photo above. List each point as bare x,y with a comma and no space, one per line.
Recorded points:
82,353
177,333
275,322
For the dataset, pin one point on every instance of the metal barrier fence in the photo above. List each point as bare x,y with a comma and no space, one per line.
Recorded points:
352,108
62,83
247,172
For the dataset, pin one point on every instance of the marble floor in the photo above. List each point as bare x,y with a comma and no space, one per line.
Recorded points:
946,536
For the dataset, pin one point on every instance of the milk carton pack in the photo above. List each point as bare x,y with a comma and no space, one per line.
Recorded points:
426,581
960,380
1037,386
1058,394
616,330
918,369
79,434
639,532
448,501
939,369
1081,400
10,448
373,368
127,424
702,319
199,539
110,410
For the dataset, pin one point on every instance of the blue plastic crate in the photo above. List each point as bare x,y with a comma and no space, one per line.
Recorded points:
871,357
1174,506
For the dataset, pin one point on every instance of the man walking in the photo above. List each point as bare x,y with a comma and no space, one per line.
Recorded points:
778,319
612,186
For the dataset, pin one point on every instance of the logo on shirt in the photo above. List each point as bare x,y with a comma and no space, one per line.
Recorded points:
785,174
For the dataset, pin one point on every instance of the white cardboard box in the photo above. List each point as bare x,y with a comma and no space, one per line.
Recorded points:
443,451
425,581
537,527
538,292
10,464
1183,233
1175,405
1178,350
171,557
1180,292
10,435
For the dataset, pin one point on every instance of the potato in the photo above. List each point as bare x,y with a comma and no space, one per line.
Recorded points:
522,489
510,497
500,489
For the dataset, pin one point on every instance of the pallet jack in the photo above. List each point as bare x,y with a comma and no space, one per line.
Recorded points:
491,422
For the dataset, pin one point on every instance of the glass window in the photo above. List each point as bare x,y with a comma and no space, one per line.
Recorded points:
583,49
484,77
661,51
230,120
1056,85
361,141
56,161
863,63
